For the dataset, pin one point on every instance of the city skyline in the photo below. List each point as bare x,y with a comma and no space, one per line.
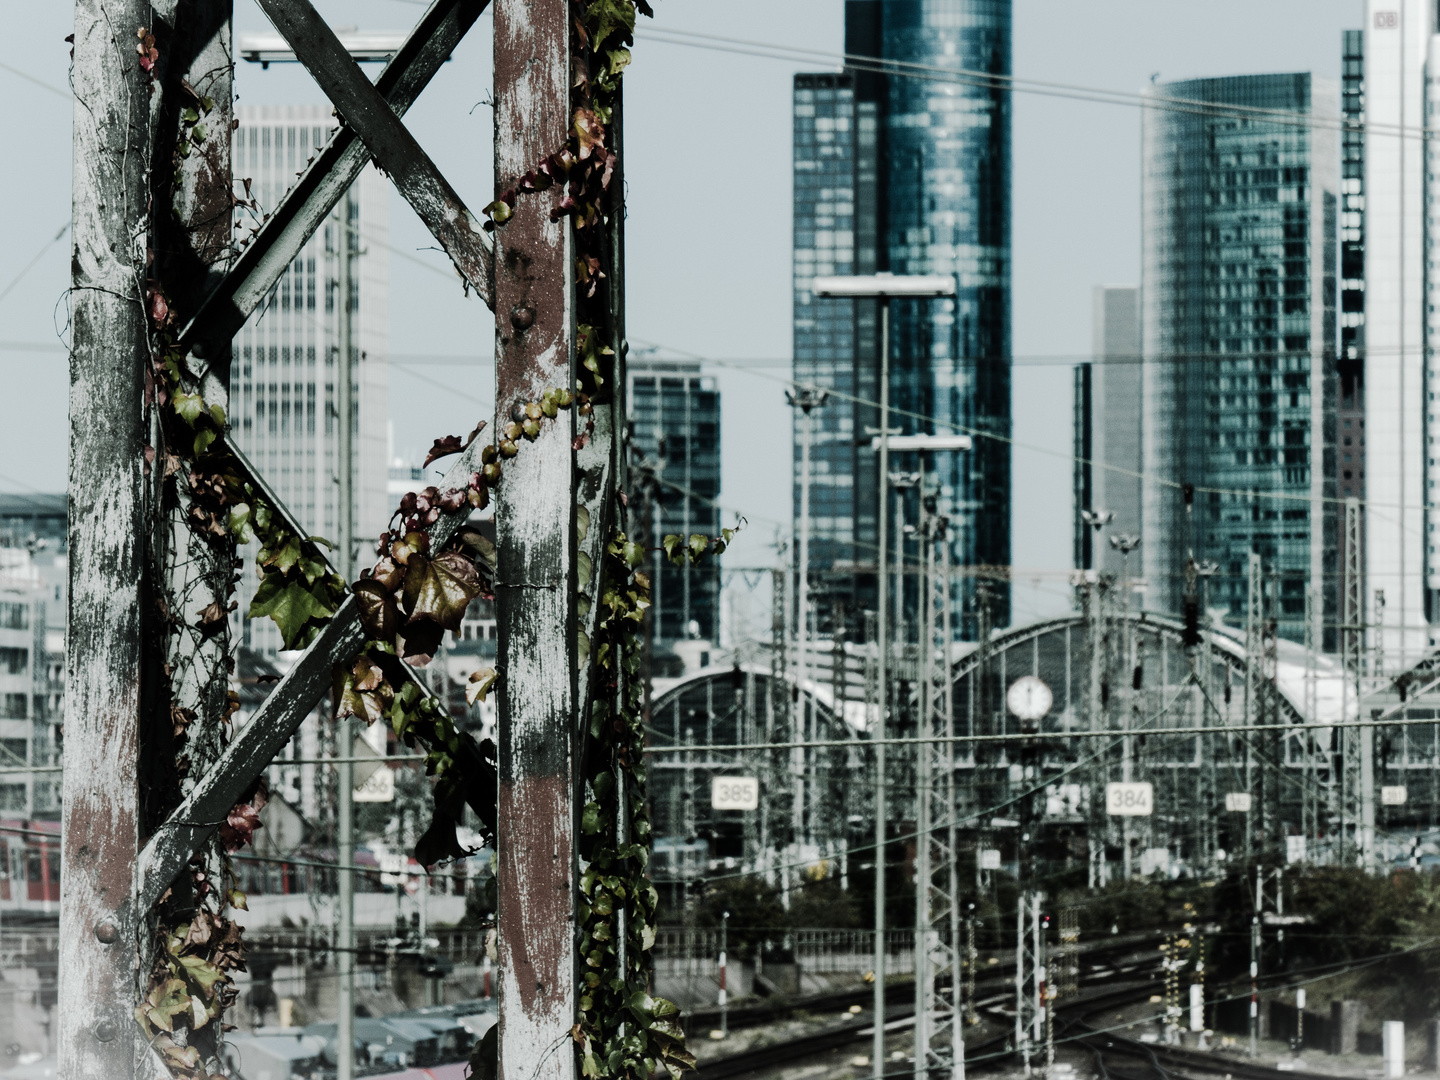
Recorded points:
1069,236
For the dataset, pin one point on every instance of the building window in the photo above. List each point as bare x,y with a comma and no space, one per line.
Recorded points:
12,661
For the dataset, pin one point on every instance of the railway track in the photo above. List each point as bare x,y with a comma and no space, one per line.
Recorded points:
900,1015
1162,1062
768,1012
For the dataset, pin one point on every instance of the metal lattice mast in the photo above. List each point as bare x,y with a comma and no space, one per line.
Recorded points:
1029,976
1254,684
939,1038
1352,631
925,944
1311,795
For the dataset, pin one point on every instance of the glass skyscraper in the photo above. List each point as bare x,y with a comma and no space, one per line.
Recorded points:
675,427
899,168
1238,331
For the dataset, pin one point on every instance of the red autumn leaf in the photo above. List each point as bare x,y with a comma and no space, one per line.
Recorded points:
239,826
451,444
388,574
378,613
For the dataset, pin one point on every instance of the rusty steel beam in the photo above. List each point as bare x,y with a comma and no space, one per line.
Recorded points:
101,929
389,141
536,548
324,182
281,713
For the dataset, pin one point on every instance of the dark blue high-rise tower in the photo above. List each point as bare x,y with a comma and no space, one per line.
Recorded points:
902,164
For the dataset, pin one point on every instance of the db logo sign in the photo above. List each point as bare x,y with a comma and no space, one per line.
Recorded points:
1387,20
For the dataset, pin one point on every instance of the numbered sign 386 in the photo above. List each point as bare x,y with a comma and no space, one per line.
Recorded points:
734,793
1129,799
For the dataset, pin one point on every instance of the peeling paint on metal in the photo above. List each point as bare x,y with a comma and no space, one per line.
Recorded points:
536,545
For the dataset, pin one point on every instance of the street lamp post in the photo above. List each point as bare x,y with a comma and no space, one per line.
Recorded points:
806,399
882,287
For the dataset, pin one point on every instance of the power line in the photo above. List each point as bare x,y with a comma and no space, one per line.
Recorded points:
38,256
989,80
1102,733
38,82
980,433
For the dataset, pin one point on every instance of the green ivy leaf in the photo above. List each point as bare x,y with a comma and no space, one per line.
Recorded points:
607,17
188,406
241,524
202,973
590,819
283,557
291,606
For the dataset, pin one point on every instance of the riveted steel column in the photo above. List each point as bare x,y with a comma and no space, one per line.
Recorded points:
96,1033
535,540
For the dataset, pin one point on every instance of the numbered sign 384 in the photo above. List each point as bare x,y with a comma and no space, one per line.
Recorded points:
1129,799
734,793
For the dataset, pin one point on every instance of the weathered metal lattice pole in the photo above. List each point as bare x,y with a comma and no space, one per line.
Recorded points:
112,882
536,548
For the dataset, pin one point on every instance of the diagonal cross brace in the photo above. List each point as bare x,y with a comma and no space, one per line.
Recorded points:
321,186
281,713
389,141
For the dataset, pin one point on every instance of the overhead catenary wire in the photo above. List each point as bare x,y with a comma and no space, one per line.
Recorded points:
981,433
37,257
1154,100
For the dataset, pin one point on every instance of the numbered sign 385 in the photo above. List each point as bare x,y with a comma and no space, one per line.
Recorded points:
734,793
1129,799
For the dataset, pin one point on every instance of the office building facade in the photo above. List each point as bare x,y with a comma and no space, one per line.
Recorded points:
1397,521
1238,329
282,383
675,434
906,175
1108,407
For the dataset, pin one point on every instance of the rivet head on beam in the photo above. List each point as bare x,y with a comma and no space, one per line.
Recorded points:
105,1030
107,933
522,318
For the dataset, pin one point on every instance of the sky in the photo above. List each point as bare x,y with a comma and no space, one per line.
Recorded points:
708,228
